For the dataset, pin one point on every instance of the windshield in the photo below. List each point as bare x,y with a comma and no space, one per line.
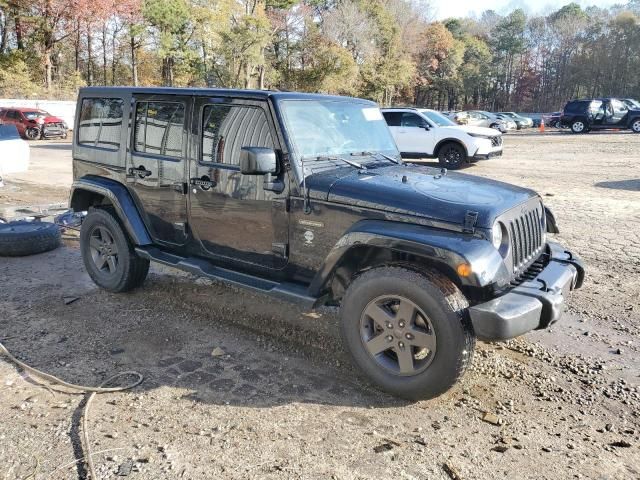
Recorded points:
320,128
437,118
35,114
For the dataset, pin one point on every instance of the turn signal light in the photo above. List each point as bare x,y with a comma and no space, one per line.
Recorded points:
464,269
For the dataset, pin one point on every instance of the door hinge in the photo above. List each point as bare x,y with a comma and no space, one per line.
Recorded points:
279,249
470,220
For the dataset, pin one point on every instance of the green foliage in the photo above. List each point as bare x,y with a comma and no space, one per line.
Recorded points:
15,78
385,50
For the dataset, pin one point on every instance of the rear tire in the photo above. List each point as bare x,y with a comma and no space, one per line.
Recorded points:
578,126
418,324
452,155
635,126
108,254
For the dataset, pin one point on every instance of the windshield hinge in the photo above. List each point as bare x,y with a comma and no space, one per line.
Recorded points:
470,220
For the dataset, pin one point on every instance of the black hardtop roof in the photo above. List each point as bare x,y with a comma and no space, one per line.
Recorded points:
226,92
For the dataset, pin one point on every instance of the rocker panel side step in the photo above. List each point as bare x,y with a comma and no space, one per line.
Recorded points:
291,292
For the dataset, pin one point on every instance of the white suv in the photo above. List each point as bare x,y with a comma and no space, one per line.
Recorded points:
420,132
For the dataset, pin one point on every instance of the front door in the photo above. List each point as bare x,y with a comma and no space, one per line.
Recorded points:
416,133
156,164
233,216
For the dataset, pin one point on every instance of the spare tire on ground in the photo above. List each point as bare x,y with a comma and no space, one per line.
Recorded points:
27,238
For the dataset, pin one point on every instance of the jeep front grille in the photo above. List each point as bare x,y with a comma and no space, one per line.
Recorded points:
496,141
526,235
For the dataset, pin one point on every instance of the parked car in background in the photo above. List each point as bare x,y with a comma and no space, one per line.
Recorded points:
420,133
520,121
14,151
585,115
481,118
553,119
460,118
33,123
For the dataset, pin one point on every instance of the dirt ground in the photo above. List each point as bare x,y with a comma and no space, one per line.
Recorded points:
241,386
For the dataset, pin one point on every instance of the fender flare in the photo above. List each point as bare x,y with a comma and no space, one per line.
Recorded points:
449,140
440,247
119,196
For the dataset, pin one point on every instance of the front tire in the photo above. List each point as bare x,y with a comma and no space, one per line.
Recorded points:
108,254
451,155
32,133
409,332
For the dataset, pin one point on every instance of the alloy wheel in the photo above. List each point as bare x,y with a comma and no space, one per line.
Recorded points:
578,127
398,335
104,252
32,133
452,156
636,126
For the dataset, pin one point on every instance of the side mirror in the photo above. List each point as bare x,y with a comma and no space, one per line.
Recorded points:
425,126
258,161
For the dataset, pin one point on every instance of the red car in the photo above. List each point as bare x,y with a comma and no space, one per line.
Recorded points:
33,123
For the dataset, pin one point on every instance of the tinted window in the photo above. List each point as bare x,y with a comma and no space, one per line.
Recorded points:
575,107
412,120
392,118
13,114
226,129
159,128
100,122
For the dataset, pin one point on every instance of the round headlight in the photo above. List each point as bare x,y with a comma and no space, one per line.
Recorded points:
496,235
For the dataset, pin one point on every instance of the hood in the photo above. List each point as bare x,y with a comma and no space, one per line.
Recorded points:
424,192
52,119
489,132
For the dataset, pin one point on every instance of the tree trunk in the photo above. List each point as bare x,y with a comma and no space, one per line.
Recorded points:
77,47
89,57
104,54
18,24
134,62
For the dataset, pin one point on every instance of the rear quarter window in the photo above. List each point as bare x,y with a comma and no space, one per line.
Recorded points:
100,123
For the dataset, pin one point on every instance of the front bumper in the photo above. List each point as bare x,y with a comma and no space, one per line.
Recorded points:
487,156
533,305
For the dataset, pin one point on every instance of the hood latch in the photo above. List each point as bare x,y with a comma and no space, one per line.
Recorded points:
470,220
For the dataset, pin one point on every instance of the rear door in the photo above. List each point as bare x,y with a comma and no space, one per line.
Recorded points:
233,216
157,164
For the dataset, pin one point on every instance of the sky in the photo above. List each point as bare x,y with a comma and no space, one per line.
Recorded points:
465,8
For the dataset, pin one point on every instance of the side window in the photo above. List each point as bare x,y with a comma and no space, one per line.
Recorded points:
228,128
12,114
100,122
392,118
159,128
412,120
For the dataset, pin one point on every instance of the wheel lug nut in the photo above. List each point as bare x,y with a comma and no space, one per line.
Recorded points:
389,325
401,324
409,336
389,338
401,344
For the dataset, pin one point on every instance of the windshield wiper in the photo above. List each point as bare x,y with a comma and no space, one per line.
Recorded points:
357,165
365,153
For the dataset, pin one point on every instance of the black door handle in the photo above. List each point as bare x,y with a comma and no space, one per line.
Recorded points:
204,182
140,171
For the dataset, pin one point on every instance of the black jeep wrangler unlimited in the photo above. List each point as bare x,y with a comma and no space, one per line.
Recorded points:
304,197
